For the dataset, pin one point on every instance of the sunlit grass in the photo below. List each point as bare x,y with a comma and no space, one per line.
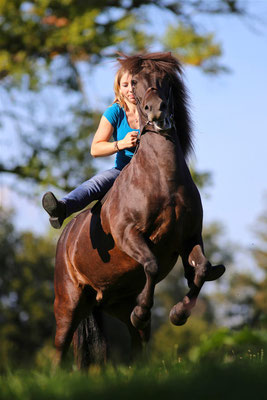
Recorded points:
167,379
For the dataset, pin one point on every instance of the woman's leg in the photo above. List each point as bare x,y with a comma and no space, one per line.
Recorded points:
93,189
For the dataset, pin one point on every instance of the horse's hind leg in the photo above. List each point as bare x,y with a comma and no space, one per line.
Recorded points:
66,324
197,270
139,337
69,308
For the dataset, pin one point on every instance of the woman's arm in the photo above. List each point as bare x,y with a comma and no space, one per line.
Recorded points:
101,145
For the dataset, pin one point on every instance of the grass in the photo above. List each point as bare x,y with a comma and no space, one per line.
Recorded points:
242,379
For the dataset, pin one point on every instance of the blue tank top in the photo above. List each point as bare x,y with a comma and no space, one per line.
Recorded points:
116,115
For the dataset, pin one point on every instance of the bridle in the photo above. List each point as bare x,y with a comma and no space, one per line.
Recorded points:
140,105
148,123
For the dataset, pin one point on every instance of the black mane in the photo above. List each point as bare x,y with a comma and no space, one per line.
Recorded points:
162,64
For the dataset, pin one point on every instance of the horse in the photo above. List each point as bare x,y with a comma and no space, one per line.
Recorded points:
110,258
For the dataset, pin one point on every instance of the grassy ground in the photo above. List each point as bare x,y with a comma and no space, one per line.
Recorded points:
243,379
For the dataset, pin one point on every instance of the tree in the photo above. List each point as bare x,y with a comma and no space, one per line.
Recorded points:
52,45
248,290
26,293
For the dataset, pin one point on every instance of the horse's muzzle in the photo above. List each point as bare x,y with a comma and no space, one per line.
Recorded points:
162,124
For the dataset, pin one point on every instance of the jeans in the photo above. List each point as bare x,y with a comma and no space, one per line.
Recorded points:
93,189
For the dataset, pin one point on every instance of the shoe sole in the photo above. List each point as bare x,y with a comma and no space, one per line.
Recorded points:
49,203
54,222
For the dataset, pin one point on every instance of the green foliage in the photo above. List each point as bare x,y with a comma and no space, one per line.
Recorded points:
201,179
170,342
31,32
194,48
62,157
159,380
216,249
260,255
26,293
41,31
246,297
226,345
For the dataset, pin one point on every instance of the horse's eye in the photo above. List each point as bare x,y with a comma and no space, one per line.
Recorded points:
134,82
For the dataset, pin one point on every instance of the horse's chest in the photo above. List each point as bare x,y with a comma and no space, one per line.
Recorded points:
166,224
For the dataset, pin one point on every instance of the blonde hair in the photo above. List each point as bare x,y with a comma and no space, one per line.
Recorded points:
118,97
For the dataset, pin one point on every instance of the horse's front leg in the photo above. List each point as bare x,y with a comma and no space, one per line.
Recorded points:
134,244
140,316
197,265
197,270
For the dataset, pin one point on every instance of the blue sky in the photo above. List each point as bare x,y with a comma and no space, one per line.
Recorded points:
230,114
230,125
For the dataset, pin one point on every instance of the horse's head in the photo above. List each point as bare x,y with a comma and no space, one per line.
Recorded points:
160,94
153,93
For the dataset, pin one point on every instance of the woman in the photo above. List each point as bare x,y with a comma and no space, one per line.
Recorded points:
121,121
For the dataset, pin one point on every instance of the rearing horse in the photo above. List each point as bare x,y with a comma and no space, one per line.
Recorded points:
111,258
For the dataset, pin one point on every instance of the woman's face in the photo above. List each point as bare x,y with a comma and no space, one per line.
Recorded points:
126,88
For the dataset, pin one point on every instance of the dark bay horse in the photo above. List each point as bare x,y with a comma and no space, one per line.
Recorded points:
110,259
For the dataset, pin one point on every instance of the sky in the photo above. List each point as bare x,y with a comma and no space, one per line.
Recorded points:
229,112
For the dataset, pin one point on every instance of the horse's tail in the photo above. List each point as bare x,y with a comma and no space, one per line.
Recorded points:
90,345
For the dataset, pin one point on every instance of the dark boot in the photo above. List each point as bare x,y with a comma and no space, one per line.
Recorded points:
55,208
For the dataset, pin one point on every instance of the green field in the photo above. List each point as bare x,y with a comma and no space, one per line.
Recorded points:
242,379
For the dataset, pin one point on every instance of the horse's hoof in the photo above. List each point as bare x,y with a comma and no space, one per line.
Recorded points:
139,322
179,314
215,272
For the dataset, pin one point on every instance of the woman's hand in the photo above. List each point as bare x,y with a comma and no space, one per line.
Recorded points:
130,140
101,145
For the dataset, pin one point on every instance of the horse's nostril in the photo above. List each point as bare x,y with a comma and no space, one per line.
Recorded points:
146,108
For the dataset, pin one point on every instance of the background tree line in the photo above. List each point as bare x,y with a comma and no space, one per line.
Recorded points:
47,50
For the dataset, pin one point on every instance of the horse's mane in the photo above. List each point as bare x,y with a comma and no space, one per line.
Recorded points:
166,63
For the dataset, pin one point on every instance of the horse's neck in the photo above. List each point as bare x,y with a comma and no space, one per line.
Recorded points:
161,159
162,150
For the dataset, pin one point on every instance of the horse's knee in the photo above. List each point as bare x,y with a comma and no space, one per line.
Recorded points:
151,268
197,266
201,272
